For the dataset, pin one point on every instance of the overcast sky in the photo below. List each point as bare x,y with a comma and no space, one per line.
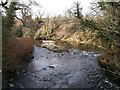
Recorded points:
56,7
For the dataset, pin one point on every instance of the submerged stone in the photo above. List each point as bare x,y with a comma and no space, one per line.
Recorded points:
51,67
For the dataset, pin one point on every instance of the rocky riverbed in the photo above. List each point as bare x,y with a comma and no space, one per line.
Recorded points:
71,68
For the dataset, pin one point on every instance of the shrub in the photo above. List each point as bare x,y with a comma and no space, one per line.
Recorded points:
16,51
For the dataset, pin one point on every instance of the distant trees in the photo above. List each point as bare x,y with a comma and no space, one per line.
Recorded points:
109,27
81,22
76,10
75,13
8,20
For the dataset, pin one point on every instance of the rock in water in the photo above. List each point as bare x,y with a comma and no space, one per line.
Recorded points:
11,85
51,67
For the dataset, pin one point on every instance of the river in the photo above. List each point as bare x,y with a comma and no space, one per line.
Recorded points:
74,67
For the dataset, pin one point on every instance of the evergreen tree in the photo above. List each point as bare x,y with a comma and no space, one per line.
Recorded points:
8,21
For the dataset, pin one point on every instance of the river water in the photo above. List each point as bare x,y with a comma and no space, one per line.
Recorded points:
73,68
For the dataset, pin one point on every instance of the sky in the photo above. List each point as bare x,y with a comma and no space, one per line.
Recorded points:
56,7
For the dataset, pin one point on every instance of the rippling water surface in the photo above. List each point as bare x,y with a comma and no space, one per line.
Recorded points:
73,68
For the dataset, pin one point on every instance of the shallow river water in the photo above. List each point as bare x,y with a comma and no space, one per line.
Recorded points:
72,68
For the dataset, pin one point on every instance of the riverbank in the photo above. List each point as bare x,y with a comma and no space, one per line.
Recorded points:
111,66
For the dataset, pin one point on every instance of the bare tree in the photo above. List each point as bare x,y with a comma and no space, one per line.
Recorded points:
4,4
